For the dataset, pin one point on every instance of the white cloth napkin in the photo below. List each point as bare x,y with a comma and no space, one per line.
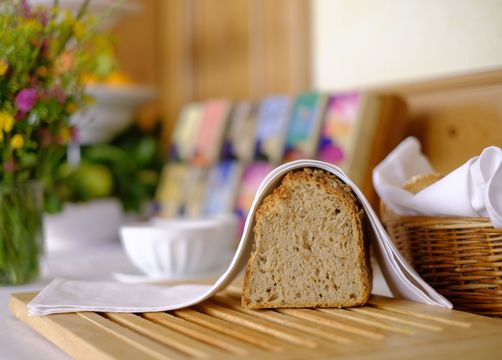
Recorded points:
472,190
70,296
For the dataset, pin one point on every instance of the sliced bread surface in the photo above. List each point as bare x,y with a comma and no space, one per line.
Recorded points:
309,246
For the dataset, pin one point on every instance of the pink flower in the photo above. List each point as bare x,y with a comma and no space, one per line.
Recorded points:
58,94
20,115
331,153
9,166
74,134
45,137
26,99
33,80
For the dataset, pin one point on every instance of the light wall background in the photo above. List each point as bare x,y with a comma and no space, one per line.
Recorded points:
357,43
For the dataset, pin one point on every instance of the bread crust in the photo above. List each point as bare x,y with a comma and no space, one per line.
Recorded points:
332,185
420,182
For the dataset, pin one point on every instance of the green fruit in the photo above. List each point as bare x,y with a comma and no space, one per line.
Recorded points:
64,170
147,177
93,181
145,150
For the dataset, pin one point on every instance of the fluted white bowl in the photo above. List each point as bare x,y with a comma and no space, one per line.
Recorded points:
112,112
178,247
83,224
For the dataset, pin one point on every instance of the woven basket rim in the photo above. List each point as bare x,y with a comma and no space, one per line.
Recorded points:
435,220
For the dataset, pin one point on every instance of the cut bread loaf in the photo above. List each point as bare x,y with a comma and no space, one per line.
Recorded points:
420,182
309,246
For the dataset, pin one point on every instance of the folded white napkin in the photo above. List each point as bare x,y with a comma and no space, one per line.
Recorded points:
472,190
69,296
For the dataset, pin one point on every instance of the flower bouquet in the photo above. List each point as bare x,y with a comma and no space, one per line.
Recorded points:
42,58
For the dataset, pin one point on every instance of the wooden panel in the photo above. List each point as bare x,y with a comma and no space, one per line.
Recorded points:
220,328
455,125
238,49
280,46
137,34
454,117
220,49
138,53
175,53
249,48
444,83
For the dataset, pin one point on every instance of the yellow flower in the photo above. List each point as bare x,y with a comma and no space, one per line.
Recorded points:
6,121
71,107
89,100
117,78
4,66
64,135
78,30
17,141
42,71
89,79
64,62
32,23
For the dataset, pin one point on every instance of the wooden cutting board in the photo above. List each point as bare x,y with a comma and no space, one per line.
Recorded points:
220,329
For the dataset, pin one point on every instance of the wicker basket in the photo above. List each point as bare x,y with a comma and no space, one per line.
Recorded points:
459,257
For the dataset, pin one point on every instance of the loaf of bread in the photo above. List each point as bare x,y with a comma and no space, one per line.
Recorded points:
420,182
310,248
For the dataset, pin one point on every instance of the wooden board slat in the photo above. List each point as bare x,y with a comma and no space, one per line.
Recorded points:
365,320
322,319
163,335
289,321
124,334
221,329
76,335
256,323
200,333
398,318
224,327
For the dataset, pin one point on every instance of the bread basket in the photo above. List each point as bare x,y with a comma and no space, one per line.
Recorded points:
459,257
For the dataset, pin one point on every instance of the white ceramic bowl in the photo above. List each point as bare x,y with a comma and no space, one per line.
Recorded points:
178,247
112,112
83,225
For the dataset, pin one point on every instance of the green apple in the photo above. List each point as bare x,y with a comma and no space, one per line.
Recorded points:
93,181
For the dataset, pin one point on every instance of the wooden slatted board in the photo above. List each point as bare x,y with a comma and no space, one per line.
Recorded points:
220,329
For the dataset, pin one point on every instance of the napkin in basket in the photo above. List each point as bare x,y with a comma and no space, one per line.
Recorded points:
70,296
472,190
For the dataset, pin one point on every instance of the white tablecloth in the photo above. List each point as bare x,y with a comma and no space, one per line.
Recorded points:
19,341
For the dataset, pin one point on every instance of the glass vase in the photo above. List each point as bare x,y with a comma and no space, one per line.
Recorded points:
21,234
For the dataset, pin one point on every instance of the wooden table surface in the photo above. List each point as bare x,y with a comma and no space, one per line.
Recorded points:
220,328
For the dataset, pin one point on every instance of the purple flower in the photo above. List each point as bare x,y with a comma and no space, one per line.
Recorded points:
44,46
41,16
26,8
26,99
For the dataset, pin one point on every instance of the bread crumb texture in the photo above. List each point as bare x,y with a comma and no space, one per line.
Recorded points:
309,248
